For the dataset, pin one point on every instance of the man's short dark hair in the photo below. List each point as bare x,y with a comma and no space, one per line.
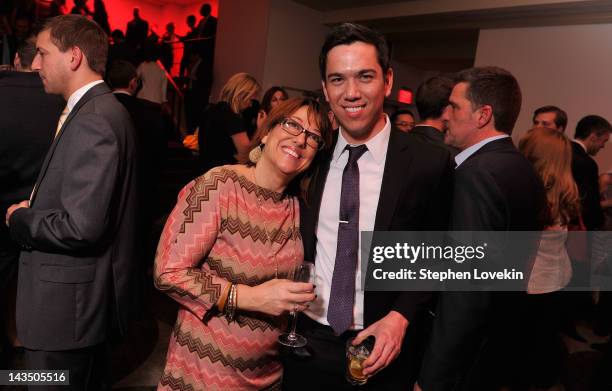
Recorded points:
560,115
497,88
191,19
348,33
68,31
592,124
26,51
120,74
432,96
399,112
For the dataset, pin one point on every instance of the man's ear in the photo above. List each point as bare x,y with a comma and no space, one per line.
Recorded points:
77,58
324,90
133,85
485,116
388,77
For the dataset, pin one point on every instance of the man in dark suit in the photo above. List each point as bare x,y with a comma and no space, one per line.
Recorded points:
496,189
375,178
148,123
207,26
77,229
152,146
25,141
592,133
431,101
137,30
207,32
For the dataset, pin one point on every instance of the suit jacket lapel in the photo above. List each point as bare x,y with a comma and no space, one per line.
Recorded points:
96,90
396,166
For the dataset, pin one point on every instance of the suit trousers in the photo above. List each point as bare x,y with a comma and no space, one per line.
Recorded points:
88,367
322,365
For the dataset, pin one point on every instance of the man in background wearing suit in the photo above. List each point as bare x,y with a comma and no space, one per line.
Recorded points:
150,138
374,178
496,189
137,31
77,230
431,101
592,133
25,141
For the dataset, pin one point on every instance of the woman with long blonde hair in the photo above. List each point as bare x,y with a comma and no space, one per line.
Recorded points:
550,152
222,136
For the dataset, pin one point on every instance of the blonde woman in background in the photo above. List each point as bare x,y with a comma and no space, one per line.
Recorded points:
222,135
550,152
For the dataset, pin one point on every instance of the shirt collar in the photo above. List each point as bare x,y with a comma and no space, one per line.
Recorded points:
122,92
78,94
377,145
466,153
581,144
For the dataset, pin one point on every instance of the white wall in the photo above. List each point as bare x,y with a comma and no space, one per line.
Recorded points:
566,66
295,36
242,34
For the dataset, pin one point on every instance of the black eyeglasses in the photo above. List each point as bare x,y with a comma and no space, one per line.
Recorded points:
295,129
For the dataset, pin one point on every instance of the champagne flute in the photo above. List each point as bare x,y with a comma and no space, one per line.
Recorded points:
305,272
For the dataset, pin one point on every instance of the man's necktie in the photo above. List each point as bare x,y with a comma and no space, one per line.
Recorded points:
60,122
342,295
62,119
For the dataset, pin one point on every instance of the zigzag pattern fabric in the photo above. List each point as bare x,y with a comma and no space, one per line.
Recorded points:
216,235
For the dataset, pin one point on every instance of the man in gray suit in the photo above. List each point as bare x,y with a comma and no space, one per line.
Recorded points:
77,229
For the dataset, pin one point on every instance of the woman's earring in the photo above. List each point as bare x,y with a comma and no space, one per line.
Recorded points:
255,153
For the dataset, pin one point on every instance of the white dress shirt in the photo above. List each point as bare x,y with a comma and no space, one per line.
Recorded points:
78,94
466,153
371,169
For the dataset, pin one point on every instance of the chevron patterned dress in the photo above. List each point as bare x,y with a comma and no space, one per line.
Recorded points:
216,235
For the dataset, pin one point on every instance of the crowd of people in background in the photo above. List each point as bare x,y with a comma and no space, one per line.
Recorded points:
282,181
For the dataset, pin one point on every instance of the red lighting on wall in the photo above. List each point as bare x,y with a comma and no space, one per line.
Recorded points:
405,95
157,13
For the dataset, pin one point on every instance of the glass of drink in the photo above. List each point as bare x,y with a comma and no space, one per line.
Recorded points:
305,272
355,356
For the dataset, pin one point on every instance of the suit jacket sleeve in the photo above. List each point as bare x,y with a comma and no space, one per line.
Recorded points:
190,232
588,184
461,316
91,164
409,304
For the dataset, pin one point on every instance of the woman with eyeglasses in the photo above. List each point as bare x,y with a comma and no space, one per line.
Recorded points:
227,253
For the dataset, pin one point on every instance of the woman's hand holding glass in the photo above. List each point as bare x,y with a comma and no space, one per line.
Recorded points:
305,272
275,297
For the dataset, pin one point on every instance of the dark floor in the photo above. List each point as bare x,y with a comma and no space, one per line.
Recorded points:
138,361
